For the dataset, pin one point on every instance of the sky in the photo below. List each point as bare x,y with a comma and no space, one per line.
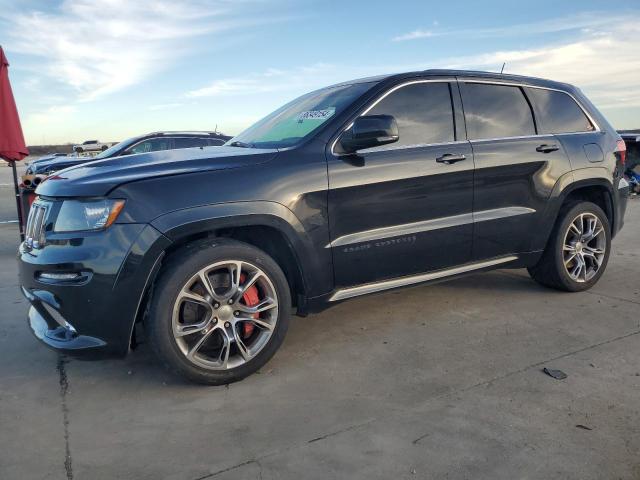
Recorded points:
111,69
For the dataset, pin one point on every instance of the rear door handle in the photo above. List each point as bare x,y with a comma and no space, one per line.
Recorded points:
450,158
547,148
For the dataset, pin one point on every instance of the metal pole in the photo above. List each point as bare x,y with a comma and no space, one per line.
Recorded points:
18,205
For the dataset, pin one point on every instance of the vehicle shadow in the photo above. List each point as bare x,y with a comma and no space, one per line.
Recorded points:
144,370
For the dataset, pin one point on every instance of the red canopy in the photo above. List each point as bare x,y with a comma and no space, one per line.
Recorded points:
12,146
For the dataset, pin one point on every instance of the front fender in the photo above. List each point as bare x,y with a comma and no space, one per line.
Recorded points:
313,262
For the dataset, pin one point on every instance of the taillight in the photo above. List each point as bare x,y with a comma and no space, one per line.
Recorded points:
621,151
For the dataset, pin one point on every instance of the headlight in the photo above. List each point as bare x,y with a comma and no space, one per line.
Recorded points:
78,215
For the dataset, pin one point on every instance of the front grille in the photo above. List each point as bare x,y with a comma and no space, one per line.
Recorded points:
34,233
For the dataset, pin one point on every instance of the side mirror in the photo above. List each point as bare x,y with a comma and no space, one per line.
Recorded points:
369,131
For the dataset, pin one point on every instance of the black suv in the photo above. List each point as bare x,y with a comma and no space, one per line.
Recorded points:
357,188
150,142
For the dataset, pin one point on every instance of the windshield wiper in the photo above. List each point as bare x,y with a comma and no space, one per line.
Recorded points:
241,144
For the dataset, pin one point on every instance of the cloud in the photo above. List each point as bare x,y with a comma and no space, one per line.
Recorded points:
271,80
587,22
416,34
602,63
52,114
166,106
98,47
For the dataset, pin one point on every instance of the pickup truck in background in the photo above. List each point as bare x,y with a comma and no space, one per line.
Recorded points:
91,146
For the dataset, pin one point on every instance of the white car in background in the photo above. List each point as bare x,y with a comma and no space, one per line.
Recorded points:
91,146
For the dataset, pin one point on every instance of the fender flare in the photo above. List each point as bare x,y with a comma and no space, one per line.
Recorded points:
564,186
184,223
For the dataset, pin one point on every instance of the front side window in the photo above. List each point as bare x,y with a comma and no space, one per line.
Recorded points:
422,111
297,120
497,111
559,113
151,145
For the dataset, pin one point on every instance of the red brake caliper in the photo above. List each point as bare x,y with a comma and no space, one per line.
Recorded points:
250,298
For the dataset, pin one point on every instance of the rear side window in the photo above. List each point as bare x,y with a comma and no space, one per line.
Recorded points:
559,113
496,111
423,112
189,142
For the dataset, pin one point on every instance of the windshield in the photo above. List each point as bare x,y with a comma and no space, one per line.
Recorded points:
290,124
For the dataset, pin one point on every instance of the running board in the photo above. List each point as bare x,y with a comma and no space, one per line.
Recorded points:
413,279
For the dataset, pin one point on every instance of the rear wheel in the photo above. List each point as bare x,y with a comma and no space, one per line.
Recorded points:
578,250
219,311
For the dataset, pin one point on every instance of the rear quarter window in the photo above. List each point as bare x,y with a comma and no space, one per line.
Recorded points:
497,111
558,112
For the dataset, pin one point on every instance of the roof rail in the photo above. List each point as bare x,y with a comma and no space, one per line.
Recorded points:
185,132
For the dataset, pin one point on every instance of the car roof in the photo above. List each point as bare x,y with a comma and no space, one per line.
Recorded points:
476,74
189,133
170,133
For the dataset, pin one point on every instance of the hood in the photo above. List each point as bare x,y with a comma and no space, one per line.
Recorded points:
44,158
55,163
99,177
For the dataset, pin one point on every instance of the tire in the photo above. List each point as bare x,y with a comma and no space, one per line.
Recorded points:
176,322
103,148
79,150
551,271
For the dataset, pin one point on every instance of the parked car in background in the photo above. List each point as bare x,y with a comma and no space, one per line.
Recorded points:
48,156
90,146
632,140
151,142
349,190
39,169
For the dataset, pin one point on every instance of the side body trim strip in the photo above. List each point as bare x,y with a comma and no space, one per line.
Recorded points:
350,292
428,225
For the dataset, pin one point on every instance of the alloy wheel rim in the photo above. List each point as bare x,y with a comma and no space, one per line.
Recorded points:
213,324
584,247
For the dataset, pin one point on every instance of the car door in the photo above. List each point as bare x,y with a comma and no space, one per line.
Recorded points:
516,167
403,208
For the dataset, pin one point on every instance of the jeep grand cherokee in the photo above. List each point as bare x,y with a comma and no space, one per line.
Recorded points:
357,188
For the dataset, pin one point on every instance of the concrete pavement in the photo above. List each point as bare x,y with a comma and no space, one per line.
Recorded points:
438,381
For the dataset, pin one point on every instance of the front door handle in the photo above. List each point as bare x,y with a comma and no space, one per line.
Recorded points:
547,148
450,158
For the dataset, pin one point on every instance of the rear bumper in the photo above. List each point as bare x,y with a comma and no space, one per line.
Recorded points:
620,205
93,314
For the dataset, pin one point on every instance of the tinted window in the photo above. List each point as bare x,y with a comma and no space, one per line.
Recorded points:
559,113
151,145
216,142
495,111
189,142
423,112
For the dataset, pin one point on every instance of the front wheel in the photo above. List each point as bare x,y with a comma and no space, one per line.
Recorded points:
578,250
219,311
